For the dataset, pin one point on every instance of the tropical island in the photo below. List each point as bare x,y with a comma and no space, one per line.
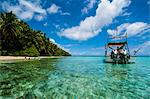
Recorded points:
17,38
102,36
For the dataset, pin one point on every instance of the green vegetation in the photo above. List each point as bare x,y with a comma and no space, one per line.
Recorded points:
18,38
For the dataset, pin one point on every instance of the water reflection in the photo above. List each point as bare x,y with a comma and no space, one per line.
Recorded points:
120,72
125,81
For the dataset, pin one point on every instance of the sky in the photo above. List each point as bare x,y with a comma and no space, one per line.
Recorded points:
82,26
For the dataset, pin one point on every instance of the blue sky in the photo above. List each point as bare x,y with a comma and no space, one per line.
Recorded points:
81,26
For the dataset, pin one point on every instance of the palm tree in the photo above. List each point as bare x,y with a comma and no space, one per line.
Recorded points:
8,30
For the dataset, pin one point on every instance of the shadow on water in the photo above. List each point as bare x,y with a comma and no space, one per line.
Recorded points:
81,78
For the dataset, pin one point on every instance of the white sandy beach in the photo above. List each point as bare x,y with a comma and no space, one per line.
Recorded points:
25,58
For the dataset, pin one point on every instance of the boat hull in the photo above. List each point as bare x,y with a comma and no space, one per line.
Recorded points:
109,60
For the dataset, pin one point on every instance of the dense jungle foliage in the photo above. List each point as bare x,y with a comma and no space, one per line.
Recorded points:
18,38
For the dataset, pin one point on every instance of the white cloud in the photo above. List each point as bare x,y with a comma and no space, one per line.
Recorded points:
60,46
39,17
89,6
57,26
53,9
136,28
45,24
32,7
64,13
25,9
142,49
92,25
7,6
26,15
131,29
52,40
119,29
127,14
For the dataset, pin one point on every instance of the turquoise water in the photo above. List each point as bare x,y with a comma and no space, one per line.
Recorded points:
75,78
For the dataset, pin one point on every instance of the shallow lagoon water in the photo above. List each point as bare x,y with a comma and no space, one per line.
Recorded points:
75,78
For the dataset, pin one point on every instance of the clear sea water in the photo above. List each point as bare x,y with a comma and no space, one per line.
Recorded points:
75,78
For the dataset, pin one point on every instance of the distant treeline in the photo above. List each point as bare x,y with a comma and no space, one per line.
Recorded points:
18,38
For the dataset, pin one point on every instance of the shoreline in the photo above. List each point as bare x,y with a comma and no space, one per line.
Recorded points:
9,58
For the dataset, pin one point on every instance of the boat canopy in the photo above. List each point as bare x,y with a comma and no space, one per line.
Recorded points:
116,43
